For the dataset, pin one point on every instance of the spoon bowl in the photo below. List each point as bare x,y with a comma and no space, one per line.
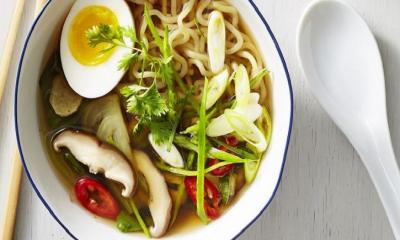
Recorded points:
341,60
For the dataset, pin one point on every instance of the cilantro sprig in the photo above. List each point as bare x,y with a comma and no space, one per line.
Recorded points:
157,113
143,101
151,108
115,36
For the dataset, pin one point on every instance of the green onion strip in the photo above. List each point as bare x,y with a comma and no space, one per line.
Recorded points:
139,218
201,156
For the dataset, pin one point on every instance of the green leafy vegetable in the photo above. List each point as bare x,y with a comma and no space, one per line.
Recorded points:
127,223
201,156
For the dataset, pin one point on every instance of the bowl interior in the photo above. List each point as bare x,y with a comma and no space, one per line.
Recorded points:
39,46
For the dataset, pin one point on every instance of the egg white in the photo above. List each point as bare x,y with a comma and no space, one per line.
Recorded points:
94,81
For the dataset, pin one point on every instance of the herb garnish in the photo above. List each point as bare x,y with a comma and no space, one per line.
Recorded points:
152,109
154,112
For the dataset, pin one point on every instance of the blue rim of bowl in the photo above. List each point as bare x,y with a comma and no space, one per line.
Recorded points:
256,9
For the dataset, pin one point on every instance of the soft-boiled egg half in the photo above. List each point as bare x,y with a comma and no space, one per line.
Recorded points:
90,72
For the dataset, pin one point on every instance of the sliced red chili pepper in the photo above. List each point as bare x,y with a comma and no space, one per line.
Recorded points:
231,140
222,148
221,171
211,195
96,198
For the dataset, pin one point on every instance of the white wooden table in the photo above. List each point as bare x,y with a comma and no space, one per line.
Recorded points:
325,193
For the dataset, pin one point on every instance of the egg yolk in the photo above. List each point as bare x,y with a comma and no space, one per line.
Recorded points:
77,41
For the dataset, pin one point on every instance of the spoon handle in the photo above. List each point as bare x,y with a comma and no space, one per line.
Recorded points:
380,161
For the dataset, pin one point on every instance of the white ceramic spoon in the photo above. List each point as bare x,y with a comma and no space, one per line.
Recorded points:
341,60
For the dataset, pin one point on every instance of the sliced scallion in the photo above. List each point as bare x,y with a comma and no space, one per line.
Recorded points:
185,142
189,173
153,30
265,124
201,156
178,201
139,218
236,150
246,130
258,77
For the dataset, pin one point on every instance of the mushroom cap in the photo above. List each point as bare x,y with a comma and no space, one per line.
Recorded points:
99,157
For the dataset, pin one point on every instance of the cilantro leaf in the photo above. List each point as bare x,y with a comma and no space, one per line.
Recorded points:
161,130
145,102
127,60
131,33
151,108
104,33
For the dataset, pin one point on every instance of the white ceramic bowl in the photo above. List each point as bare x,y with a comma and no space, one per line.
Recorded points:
76,220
